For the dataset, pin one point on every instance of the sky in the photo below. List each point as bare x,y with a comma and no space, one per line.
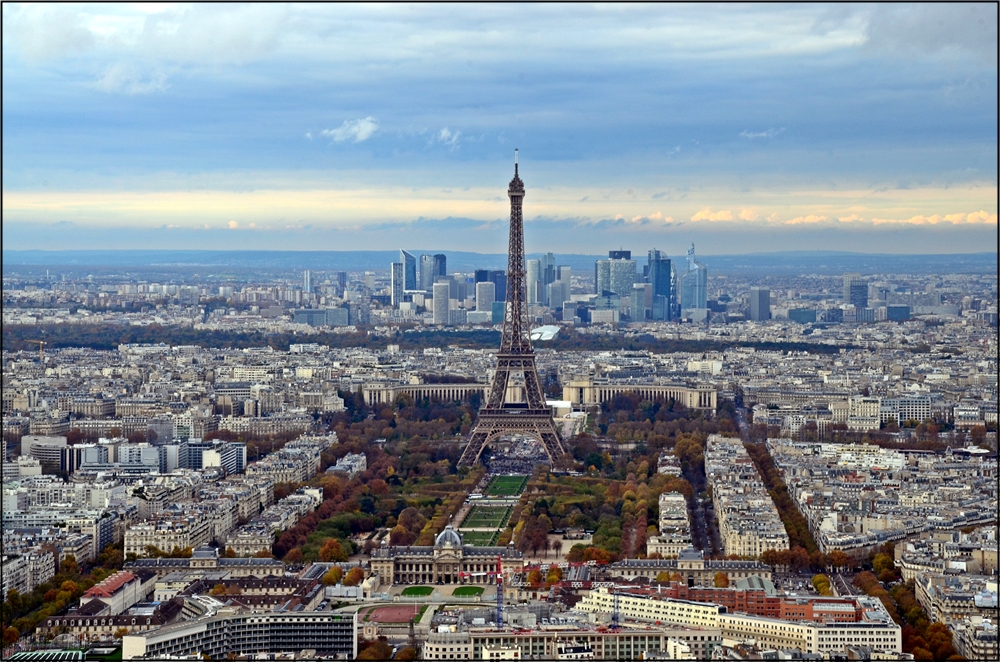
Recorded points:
741,128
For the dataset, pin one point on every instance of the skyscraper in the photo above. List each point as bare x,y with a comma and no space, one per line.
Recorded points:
693,283
499,280
307,281
409,270
442,293
485,295
616,274
431,266
532,277
660,281
855,290
760,304
396,284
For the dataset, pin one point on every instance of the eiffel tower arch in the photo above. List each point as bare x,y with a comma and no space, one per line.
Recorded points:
497,417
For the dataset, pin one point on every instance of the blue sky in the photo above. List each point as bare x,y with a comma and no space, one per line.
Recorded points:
739,127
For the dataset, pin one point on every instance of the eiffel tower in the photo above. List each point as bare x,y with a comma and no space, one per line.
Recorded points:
498,418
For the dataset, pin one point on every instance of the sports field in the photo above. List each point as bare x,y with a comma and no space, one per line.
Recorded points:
507,485
487,517
480,538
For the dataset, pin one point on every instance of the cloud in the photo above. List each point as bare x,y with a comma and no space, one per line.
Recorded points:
706,214
43,32
749,215
446,137
770,133
655,216
127,79
850,219
811,218
981,217
974,218
356,130
233,225
934,28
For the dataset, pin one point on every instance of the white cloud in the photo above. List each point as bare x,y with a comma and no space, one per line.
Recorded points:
356,130
976,217
655,216
707,214
810,219
770,133
127,79
446,137
749,215
233,225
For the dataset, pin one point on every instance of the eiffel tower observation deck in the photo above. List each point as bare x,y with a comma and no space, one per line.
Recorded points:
532,417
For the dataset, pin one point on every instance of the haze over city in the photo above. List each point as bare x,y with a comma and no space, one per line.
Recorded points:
499,332
745,128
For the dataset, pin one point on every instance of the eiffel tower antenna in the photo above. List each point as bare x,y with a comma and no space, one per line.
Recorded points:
499,418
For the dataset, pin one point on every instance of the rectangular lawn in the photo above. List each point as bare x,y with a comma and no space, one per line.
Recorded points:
507,485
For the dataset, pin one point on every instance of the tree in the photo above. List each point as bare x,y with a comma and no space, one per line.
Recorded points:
333,576
218,589
294,556
822,584
121,632
839,559
230,553
375,650
721,580
332,551
535,578
10,636
554,574
883,562
354,576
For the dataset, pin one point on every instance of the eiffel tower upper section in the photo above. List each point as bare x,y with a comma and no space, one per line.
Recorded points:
516,330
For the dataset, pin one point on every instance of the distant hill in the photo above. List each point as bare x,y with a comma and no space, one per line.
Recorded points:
781,263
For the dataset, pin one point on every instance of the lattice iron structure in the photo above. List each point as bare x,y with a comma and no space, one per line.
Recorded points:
532,417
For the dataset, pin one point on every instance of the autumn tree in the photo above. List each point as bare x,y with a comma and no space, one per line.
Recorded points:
333,576
721,580
354,576
332,551
375,650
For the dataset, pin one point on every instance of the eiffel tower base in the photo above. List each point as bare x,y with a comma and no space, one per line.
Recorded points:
496,423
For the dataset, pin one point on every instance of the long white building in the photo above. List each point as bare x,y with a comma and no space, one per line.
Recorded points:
875,627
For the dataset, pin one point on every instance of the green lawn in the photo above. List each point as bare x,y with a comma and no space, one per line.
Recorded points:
507,485
417,591
485,517
468,591
480,538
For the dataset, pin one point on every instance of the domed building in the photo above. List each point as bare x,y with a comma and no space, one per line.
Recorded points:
448,561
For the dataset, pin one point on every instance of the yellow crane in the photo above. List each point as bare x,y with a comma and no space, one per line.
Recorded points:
41,349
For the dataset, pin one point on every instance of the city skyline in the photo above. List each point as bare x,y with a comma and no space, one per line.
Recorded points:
748,129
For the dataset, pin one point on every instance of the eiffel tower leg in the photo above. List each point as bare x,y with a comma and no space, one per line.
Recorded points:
477,441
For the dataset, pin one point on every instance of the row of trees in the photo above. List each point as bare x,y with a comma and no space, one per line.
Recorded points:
795,524
16,337
21,614
922,638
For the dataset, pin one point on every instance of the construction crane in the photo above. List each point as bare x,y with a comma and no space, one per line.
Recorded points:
41,349
499,576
